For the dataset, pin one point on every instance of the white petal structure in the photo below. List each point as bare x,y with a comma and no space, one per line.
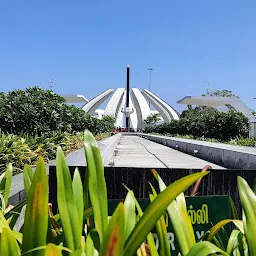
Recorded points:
115,103
93,104
165,110
138,109
120,114
141,106
133,116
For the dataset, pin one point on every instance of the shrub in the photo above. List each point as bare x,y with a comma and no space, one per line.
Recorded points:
206,123
37,111
32,111
24,149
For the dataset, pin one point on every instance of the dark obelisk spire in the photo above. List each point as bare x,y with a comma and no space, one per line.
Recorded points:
127,94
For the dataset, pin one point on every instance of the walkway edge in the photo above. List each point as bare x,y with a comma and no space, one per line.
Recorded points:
226,155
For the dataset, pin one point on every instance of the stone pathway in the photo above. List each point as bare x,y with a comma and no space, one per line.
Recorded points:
134,151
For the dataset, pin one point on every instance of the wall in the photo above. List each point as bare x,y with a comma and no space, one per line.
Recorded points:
229,156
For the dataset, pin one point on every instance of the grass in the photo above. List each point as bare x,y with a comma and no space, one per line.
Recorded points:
239,141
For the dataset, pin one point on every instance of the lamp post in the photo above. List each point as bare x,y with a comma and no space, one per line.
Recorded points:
150,70
149,85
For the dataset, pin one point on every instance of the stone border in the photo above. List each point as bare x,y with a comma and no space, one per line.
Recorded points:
226,155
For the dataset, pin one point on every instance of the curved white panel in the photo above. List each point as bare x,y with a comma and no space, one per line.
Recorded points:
120,115
133,116
141,106
114,103
93,104
162,105
162,111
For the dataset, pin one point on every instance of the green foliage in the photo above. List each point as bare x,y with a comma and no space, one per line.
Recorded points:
32,111
37,111
152,119
125,234
249,142
14,149
206,123
109,123
25,149
220,93
45,234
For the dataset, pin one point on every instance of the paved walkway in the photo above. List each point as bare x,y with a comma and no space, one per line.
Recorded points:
134,151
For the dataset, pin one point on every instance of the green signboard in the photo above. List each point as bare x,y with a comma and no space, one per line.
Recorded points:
204,211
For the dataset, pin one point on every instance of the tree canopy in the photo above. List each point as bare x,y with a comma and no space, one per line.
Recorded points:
152,119
206,123
220,93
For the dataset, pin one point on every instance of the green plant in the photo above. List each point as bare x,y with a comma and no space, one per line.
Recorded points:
24,149
206,123
152,119
249,142
81,226
35,111
242,238
82,208
14,149
239,141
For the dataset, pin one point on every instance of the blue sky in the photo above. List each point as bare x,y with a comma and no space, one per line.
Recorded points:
86,46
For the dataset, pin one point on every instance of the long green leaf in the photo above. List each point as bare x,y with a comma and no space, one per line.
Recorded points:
89,246
3,222
205,248
67,204
233,241
27,177
78,195
129,215
164,246
1,177
36,216
8,244
248,201
150,238
97,184
155,210
233,208
113,240
14,214
43,248
215,229
5,184
17,235
179,218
